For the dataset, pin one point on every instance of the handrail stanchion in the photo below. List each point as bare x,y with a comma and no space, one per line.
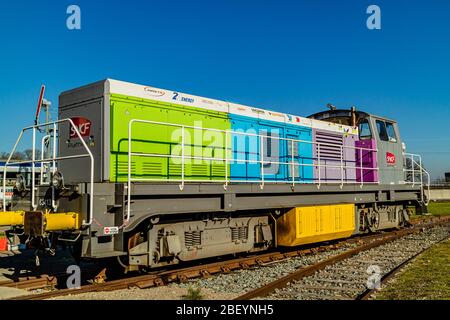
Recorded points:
33,173
130,126
413,171
342,167
54,148
319,165
226,160
91,189
261,156
421,179
182,158
378,166
361,167
292,159
420,165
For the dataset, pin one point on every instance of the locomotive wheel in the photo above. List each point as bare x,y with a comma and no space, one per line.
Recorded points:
373,221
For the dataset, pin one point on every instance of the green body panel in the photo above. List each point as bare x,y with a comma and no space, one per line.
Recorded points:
165,140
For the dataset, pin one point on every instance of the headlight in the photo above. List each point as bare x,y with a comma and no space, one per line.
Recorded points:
57,180
20,183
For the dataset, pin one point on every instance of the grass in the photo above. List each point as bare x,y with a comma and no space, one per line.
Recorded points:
426,278
193,294
434,208
439,208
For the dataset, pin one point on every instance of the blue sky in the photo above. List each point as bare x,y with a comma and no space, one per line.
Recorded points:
290,56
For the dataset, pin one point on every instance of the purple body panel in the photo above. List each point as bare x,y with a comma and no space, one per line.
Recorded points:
369,161
330,155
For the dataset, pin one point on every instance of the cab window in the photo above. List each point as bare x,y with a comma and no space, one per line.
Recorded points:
391,132
364,130
382,132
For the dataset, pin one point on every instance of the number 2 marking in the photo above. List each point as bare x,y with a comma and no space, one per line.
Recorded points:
175,96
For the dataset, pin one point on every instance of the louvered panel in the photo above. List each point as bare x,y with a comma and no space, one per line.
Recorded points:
330,145
218,170
122,167
151,168
199,170
174,169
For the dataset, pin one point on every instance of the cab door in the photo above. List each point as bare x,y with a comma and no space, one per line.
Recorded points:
390,161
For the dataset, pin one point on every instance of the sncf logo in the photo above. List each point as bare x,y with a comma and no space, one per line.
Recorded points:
390,158
83,125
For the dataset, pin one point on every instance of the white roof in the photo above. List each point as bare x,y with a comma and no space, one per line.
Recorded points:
147,92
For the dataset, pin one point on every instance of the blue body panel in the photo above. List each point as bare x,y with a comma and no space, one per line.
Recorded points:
247,147
303,153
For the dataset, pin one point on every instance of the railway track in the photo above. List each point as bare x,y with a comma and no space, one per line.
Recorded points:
348,276
228,266
367,294
32,283
181,275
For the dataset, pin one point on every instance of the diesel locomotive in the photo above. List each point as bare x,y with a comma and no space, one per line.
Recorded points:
154,177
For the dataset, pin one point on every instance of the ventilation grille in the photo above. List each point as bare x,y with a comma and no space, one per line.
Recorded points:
239,233
174,169
122,167
192,238
199,170
151,168
332,148
218,170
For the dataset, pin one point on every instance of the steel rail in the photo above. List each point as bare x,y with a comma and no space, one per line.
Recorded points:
39,282
206,270
269,288
393,272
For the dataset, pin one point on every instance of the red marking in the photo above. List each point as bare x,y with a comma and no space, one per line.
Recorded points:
390,158
106,231
41,97
83,125
3,244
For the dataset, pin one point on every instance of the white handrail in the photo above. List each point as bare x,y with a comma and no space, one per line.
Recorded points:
33,161
361,177
33,172
319,165
420,170
261,161
292,163
182,157
226,160
261,157
342,166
